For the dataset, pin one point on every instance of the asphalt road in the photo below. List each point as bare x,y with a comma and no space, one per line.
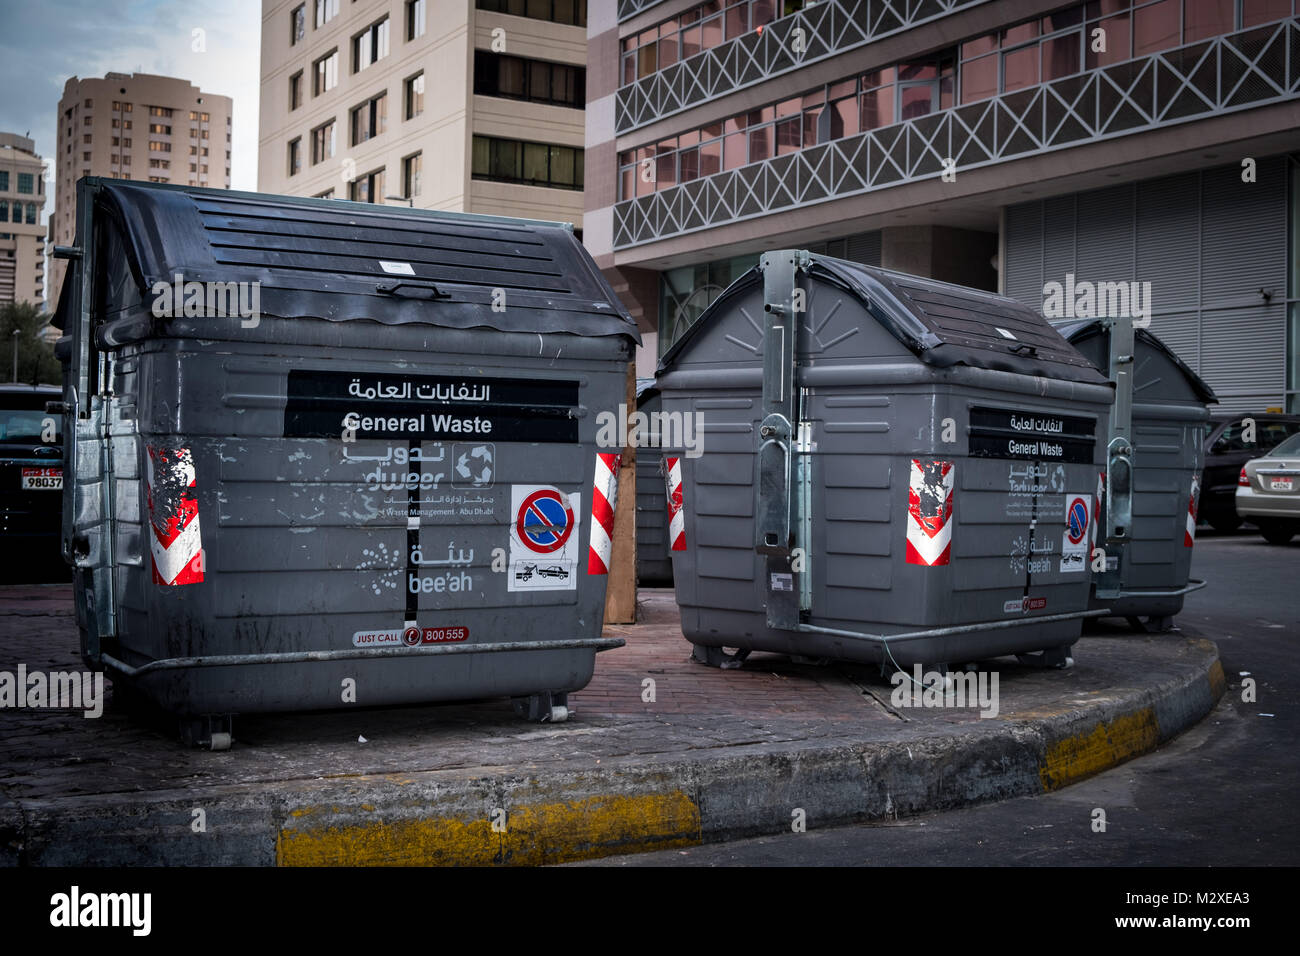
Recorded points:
1224,793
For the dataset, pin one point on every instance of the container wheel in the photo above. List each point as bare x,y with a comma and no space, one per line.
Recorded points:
211,731
545,707
718,657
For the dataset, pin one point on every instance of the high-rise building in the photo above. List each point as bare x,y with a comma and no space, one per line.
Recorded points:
1011,146
135,126
472,106
22,237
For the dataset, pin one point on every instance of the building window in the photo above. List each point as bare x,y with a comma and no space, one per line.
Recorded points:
31,214
532,164
414,19
415,96
367,188
326,10
322,142
295,156
89,103
295,90
4,180
4,210
160,129
157,147
85,157
369,119
370,45
160,111
569,12
513,77
297,24
88,121
325,72
26,183
411,167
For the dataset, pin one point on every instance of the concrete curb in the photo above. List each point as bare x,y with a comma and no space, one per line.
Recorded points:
633,804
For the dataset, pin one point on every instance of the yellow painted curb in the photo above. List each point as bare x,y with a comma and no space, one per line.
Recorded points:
533,835
1082,755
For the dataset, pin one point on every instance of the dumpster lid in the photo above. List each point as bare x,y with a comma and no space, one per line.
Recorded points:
341,260
942,324
1077,330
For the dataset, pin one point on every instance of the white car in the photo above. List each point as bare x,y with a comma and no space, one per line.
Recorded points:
1268,492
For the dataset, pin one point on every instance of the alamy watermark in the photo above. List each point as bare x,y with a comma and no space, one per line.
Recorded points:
670,430
1083,299
193,299
58,690
957,689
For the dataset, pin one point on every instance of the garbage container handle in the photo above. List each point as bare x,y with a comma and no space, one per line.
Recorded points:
433,292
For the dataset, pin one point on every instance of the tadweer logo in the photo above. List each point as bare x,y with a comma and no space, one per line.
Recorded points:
76,909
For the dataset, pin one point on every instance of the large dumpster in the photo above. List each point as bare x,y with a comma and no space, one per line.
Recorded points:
654,566
325,454
1148,530
892,469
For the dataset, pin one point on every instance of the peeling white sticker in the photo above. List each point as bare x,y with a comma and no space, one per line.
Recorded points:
397,268
1005,334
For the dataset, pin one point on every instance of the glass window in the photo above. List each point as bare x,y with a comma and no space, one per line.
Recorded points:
415,96
915,100
760,143
326,10
1020,68
877,108
1156,27
31,214
295,90
411,168
1117,40
369,119
1203,19
1061,55
370,45
979,46
326,73
415,18
295,156
1255,12
323,142
711,157
979,78
297,23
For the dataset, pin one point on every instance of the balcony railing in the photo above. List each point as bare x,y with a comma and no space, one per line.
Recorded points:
1238,71
630,8
829,27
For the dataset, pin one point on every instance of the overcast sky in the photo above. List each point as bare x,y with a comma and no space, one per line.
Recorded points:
44,42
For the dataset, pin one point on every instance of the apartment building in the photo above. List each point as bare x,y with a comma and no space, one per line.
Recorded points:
463,105
135,126
1001,144
22,237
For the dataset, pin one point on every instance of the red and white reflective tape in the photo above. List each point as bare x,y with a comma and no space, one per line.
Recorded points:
1189,534
604,498
176,544
1096,509
676,517
929,512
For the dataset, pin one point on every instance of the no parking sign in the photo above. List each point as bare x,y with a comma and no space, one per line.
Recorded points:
543,547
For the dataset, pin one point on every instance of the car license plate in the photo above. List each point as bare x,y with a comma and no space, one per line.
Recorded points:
1282,484
42,479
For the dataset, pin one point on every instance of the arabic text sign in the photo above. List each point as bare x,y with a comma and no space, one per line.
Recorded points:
408,407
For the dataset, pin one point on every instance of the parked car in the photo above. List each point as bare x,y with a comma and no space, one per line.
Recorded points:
31,476
1226,451
1268,492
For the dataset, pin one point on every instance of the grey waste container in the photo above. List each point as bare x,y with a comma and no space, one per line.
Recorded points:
1148,531
654,566
373,485
892,469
